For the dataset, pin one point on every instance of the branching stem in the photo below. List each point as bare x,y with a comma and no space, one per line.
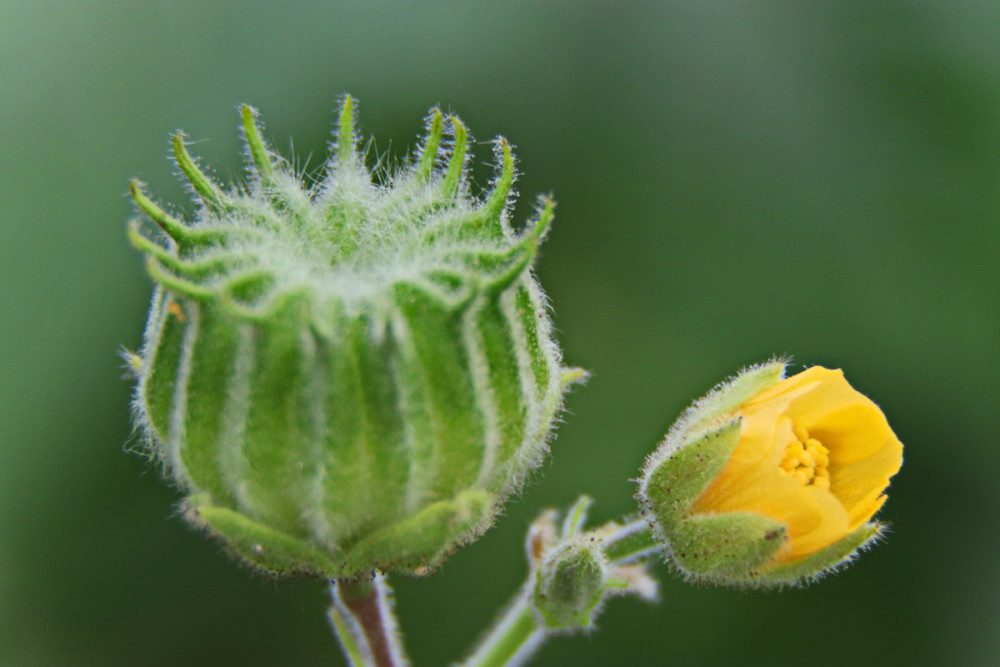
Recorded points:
513,639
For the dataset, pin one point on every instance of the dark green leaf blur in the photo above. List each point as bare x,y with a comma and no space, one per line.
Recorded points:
735,180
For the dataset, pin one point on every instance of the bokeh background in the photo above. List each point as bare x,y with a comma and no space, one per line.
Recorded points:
734,180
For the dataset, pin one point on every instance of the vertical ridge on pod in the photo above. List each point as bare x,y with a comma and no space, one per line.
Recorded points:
212,364
527,317
504,377
277,429
343,465
148,400
418,429
530,376
381,421
485,400
175,430
314,512
230,457
363,447
436,335
162,355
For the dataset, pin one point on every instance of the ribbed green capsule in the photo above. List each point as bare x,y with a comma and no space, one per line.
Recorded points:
352,374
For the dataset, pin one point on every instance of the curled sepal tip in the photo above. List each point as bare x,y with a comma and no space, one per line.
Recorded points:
346,134
209,193
455,170
428,153
505,179
260,154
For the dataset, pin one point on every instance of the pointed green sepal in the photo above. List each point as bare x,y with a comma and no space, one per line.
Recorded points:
193,270
725,548
181,234
176,284
501,190
420,543
672,481
211,195
455,170
260,154
347,154
425,165
823,562
502,269
576,516
729,395
572,376
260,546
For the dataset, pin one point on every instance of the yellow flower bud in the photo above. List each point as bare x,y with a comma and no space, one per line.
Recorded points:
777,487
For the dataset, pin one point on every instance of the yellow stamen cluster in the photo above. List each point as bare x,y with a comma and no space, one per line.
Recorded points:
807,460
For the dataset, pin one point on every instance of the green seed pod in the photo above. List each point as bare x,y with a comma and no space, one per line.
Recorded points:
346,375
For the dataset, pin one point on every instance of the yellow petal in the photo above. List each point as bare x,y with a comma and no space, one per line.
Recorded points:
860,485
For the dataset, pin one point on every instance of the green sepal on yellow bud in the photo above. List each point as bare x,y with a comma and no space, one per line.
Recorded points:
715,547
770,481
351,374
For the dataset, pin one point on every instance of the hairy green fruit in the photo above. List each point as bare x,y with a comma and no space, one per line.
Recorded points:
346,375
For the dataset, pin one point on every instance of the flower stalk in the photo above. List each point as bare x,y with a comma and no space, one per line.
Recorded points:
514,637
363,619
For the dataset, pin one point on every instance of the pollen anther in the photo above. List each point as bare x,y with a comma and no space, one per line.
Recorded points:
807,460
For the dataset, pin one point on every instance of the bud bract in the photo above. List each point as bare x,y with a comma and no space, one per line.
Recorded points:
570,583
571,573
769,481
346,374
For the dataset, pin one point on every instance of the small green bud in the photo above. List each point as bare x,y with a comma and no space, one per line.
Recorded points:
770,481
346,375
572,574
570,583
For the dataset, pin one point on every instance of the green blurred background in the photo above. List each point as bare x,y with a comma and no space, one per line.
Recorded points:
735,180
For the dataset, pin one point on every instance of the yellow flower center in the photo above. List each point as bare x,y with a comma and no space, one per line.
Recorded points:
807,460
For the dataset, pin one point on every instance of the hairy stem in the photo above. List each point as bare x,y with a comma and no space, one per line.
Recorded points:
632,542
513,639
364,622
